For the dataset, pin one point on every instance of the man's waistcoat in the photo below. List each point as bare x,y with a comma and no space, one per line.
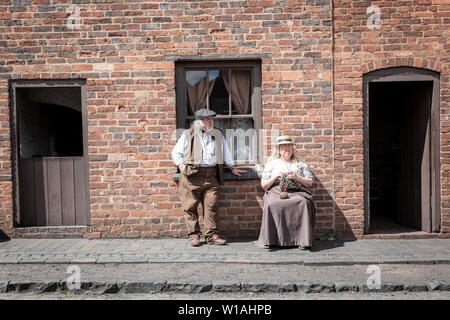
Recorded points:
193,153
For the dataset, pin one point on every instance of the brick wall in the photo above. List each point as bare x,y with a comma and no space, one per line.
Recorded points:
412,33
123,49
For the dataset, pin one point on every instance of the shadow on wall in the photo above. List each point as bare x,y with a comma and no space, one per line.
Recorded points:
328,235
3,236
327,211
326,207
241,206
330,222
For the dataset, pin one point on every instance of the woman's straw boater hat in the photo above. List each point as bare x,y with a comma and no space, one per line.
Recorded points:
284,140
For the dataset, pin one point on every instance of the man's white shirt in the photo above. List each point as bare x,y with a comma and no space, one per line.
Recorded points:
209,155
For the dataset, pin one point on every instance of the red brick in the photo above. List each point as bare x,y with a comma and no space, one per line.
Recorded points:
131,95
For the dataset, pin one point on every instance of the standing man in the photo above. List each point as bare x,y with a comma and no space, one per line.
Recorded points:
200,154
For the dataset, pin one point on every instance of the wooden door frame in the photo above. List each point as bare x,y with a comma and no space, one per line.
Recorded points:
15,134
406,74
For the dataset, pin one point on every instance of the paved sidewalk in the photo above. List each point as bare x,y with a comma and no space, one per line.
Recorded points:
331,253
112,266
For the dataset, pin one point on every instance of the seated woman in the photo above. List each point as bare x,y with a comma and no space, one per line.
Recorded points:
288,217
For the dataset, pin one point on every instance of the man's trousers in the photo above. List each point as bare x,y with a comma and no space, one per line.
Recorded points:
201,187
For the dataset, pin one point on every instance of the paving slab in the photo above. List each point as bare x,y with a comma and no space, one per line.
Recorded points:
154,248
10,258
135,258
39,258
110,258
61,258
134,246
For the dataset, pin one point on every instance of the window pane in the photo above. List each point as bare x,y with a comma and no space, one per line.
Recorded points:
241,92
196,90
243,141
189,123
222,124
219,99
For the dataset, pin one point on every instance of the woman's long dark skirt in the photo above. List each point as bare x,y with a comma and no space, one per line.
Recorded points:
287,222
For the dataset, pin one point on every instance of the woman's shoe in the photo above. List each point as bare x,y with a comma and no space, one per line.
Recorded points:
304,248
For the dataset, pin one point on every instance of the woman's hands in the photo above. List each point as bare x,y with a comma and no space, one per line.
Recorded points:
268,183
292,175
303,181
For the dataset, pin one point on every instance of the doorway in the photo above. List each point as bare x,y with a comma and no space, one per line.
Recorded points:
401,153
50,163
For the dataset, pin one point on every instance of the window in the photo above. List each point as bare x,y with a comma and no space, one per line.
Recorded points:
232,89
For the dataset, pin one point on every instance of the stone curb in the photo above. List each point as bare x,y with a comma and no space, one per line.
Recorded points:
151,287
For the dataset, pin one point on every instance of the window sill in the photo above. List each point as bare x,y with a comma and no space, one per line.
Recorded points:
228,176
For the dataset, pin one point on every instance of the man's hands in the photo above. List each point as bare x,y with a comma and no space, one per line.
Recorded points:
237,172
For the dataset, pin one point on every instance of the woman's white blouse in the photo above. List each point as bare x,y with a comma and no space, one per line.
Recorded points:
274,167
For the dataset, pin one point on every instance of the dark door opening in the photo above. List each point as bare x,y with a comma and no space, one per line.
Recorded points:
50,122
399,156
51,180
